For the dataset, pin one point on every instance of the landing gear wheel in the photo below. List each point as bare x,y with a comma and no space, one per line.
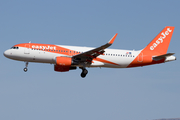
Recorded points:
25,69
84,73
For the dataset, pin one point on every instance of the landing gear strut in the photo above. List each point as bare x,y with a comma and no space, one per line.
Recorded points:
25,69
84,72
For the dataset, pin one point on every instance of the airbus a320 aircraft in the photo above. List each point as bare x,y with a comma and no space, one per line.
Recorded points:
67,58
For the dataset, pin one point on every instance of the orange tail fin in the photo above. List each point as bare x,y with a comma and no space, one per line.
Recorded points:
159,45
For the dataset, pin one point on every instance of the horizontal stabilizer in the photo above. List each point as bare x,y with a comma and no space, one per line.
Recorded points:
156,58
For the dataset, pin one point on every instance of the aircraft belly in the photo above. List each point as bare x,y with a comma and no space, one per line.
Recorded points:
43,57
115,62
97,64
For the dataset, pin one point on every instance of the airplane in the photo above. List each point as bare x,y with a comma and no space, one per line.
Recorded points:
67,58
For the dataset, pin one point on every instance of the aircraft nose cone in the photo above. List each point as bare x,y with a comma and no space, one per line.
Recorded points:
6,53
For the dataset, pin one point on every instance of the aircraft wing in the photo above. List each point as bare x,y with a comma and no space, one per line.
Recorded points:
89,55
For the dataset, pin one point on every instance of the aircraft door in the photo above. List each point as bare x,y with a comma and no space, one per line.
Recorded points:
140,57
27,49
71,53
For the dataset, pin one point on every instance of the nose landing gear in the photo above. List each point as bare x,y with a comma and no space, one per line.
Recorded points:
25,69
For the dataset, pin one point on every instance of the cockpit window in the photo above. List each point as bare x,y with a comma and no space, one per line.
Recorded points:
14,47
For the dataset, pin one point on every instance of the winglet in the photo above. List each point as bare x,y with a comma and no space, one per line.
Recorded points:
112,39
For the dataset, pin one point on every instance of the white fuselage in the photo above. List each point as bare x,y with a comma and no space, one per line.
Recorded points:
67,58
121,58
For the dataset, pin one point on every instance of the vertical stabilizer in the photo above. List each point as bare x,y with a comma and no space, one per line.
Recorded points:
155,51
159,45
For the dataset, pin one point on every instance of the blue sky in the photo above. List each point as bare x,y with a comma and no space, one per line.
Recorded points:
144,93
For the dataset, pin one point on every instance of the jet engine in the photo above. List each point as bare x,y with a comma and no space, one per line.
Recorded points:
63,64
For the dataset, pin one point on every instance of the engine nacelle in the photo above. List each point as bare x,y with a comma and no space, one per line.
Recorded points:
63,64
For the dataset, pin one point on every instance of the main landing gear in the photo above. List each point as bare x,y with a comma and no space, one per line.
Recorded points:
84,72
25,69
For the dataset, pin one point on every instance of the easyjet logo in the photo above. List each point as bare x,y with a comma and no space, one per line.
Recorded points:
43,47
160,39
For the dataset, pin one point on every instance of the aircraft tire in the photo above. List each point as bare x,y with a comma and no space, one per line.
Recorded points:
25,69
84,73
